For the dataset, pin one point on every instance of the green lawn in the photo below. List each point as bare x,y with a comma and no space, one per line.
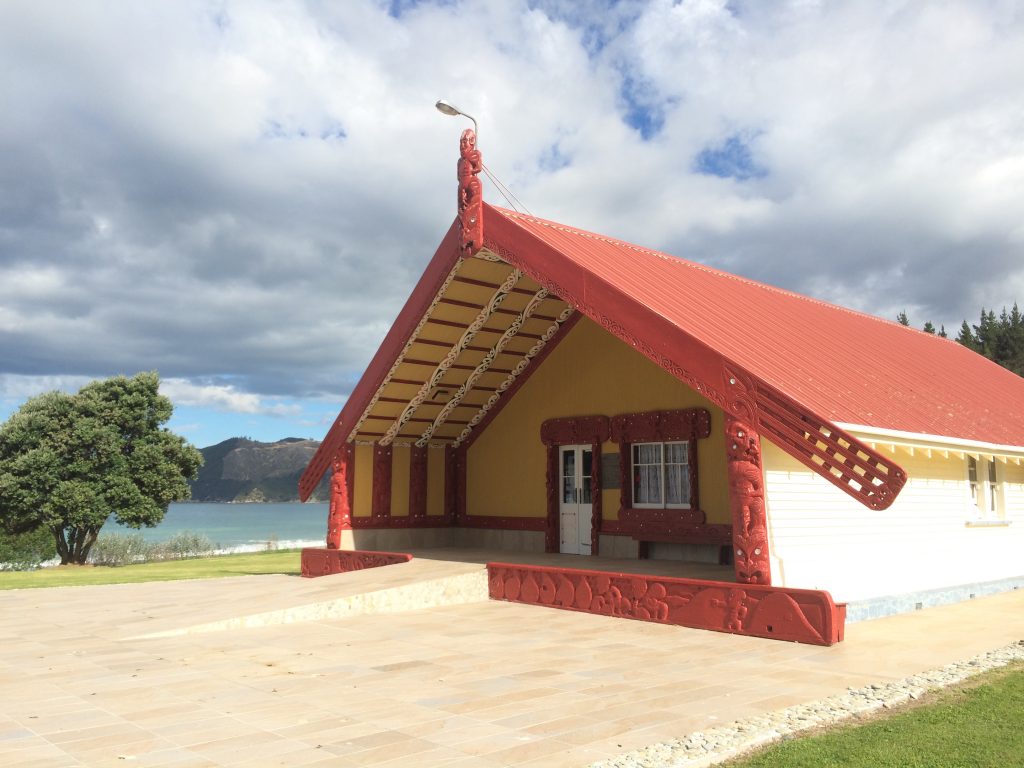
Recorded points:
279,561
980,725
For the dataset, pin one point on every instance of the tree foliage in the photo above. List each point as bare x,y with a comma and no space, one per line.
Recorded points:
1000,339
70,462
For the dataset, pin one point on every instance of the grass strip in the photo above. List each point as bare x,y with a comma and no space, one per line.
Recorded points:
977,725
284,561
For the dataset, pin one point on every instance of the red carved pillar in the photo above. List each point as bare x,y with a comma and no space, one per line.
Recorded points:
552,530
596,499
418,482
470,201
746,499
381,482
451,482
462,467
339,517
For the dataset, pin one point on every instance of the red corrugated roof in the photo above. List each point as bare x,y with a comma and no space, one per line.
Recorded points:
845,366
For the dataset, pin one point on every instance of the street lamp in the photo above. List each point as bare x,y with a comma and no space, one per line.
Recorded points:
447,109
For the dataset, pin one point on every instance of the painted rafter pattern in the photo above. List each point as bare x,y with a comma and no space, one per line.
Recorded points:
485,364
520,367
405,350
457,349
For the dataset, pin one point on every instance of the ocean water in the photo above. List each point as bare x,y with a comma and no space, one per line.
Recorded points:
240,527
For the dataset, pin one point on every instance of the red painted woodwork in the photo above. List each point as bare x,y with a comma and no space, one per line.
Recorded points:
339,517
683,526
460,484
324,562
661,426
381,504
690,424
470,200
418,481
575,430
840,458
746,501
455,483
451,482
800,615
551,486
503,523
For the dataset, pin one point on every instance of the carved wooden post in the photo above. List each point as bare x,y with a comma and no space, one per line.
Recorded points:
339,518
381,502
470,202
746,499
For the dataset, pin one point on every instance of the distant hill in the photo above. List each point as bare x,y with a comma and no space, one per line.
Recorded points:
240,469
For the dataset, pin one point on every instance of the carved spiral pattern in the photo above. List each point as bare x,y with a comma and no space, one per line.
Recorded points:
405,350
453,354
520,367
484,365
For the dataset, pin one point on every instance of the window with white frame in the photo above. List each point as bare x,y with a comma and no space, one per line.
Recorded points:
661,475
985,487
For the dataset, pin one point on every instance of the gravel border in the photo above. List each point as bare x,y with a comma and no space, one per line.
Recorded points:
706,748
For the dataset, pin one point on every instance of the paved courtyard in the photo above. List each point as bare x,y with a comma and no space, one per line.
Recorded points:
111,675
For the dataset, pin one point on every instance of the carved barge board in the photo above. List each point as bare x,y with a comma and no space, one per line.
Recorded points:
324,562
798,615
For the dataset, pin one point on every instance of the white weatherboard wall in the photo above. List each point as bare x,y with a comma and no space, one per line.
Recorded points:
820,538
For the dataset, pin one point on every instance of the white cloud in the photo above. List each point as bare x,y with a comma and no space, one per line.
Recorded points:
223,397
247,191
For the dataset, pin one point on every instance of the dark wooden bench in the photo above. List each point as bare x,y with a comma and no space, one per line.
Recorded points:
678,526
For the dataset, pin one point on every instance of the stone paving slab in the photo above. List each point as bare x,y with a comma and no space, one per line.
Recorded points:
482,684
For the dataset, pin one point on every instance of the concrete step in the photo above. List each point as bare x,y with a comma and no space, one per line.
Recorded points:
418,584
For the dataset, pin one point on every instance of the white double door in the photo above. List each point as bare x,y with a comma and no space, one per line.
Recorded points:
576,464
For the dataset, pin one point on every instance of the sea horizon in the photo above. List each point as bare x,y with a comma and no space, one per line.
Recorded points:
238,526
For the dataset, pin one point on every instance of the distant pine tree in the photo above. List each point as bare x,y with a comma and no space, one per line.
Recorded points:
902,318
929,328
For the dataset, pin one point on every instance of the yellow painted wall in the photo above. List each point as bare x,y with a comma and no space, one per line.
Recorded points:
363,504
590,372
401,457
435,481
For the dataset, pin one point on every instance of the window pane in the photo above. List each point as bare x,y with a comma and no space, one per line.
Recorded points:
568,476
677,484
647,453
647,484
676,453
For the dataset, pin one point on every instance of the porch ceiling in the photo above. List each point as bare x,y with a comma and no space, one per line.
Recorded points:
483,326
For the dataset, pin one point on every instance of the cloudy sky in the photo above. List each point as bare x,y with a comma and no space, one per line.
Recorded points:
241,194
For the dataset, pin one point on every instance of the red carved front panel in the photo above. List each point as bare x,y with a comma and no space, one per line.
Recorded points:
800,615
746,500
575,430
661,426
339,517
324,562
418,481
381,506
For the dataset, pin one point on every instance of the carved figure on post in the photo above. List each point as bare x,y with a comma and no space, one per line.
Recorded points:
746,500
471,198
339,517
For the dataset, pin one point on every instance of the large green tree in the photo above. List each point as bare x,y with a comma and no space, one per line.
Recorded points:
70,462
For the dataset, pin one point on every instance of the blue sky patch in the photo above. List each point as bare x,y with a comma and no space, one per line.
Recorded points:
397,8
641,110
731,159
553,159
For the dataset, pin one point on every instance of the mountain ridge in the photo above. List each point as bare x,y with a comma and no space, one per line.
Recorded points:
242,470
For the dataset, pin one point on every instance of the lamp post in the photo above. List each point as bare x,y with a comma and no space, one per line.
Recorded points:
452,111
